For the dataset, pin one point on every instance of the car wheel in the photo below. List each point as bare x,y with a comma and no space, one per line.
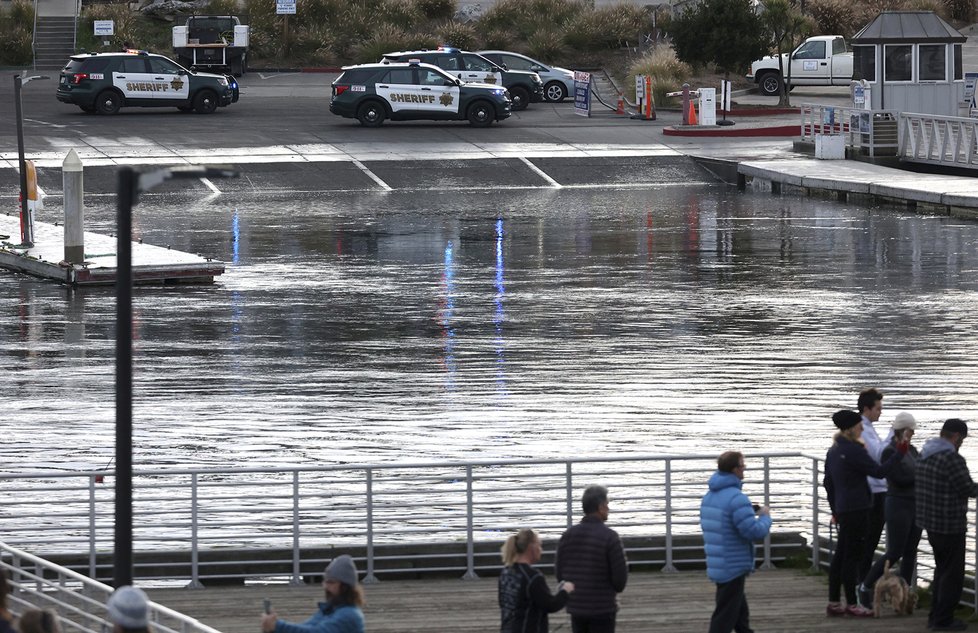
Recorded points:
108,102
371,114
481,114
205,102
520,97
554,92
770,84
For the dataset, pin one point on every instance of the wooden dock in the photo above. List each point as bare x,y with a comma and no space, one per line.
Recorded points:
789,601
151,264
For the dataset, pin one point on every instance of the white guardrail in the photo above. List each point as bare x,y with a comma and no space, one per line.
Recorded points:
200,524
78,601
918,138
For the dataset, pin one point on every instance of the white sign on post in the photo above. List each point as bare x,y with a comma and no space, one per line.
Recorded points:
285,7
104,27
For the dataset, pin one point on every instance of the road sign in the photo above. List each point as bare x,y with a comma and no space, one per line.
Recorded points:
104,27
285,7
582,93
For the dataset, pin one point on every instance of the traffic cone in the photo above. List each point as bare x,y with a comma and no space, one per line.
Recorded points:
621,105
692,114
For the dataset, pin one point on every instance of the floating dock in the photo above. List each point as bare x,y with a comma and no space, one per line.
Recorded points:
150,264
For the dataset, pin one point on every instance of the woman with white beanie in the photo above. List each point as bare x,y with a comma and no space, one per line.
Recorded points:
902,531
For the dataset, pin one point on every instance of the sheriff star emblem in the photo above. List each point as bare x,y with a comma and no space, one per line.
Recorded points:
176,84
490,79
446,99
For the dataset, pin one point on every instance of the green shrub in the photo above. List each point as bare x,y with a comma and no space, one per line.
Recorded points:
498,39
16,29
839,17
223,7
436,9
457,34
389,39
668,73
546,45
522,19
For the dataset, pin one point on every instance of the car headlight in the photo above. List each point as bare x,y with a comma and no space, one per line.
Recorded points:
223,81
499,92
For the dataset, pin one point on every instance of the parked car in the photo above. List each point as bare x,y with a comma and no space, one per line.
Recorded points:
558,82
106,82
372,93
524,87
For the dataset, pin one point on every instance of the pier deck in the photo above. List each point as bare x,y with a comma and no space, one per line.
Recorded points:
780,600
150,264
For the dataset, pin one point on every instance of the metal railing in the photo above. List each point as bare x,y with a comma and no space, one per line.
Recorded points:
250,522
939,140
78,601
873,132
199,524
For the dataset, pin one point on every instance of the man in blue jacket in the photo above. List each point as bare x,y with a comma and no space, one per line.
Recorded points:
730,527
341,613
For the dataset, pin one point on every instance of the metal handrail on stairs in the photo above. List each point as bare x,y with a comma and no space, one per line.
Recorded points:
34,40
614,85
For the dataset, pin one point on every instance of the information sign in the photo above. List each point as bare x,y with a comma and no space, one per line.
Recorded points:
285,7
582,93
104,27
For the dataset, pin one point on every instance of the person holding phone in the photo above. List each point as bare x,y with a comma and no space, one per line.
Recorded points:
902,531
340,613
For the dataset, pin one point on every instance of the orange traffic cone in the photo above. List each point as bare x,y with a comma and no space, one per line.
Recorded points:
621,105
692,114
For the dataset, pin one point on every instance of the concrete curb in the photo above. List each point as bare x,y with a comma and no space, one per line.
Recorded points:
720,131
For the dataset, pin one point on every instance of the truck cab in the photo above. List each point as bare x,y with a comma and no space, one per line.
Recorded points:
819,61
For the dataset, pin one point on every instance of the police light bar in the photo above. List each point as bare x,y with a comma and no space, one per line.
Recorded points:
414,61
447,48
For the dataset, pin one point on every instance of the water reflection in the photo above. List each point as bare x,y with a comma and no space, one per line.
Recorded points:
442,325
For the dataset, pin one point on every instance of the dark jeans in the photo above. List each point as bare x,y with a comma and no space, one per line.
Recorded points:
948,581
902,538
877,517
598,624
731,612
849,549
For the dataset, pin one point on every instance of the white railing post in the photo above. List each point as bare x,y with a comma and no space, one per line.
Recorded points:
296,552
668,493
194,545
92,548
370,577
816,545
767,564
569,482
469,529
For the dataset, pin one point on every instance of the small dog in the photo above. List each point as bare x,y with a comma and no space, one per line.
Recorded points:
892,588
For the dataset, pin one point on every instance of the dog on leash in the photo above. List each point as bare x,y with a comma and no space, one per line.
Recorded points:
892,588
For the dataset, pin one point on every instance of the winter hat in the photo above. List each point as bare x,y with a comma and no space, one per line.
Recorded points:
342,569
955,425
129,608
846,419
904,420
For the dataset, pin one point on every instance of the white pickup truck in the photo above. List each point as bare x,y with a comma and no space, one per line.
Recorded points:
819,61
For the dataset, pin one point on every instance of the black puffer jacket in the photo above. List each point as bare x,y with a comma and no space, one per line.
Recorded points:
591,556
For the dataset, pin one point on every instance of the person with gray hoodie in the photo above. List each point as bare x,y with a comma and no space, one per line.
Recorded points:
944,485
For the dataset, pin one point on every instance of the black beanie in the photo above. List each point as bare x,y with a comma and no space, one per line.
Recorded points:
954,425
846,419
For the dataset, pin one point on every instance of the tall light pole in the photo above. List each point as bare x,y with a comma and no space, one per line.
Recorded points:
131,184
26,225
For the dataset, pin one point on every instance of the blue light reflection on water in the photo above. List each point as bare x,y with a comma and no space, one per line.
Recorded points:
679,320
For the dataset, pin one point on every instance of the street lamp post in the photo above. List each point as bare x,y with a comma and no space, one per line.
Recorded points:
132,183
26,226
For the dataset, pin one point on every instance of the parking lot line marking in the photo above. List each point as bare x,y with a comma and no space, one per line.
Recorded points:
372,175
210,185
541,173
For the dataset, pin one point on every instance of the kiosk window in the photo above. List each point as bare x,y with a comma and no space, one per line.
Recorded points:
931,62
864,63
958,65
898,62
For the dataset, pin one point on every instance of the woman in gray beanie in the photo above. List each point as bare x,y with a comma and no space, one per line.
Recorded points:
128,609
340,613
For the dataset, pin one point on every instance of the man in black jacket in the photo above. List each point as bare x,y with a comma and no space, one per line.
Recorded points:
591,555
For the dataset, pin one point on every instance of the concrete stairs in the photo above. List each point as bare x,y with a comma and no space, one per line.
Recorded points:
54,42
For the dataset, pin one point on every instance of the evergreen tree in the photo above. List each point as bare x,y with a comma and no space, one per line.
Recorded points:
726,33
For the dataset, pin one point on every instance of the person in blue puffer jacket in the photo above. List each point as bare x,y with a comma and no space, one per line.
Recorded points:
730,526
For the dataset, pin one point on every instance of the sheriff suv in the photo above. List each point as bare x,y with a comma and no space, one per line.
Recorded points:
524,87
106,82
372,93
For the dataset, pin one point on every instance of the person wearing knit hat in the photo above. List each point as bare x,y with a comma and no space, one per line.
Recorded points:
902,531
944,485
342,612
128,609
847,465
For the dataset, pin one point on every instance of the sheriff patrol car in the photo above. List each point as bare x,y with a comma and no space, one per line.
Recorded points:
524,87
106,82
372,93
